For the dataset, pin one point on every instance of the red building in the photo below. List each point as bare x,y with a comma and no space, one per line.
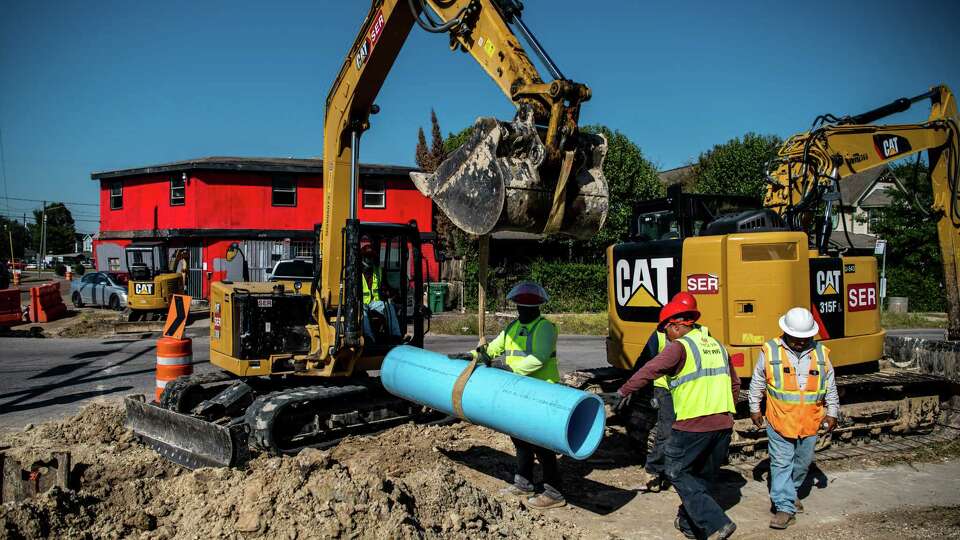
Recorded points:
268,205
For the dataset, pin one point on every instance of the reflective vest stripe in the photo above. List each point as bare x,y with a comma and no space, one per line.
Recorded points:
699,370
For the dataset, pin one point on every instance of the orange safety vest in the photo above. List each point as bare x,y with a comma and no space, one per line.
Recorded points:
794,412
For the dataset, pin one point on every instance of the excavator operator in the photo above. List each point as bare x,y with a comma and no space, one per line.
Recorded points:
376,295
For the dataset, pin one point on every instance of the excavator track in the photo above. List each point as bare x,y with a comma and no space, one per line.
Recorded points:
875,408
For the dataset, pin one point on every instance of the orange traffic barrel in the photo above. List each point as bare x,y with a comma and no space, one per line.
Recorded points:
69,275
174,359
16,277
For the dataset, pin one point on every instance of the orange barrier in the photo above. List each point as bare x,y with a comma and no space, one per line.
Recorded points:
16,277
68,275
46,304
10,311
174,359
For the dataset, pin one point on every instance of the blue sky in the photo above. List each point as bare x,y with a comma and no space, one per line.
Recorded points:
89,86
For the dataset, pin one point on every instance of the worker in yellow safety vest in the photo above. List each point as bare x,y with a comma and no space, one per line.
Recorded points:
376,295
702,383
654,478
794,374
529,344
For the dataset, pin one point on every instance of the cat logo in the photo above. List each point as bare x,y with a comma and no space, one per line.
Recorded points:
642,284
828,282
888,146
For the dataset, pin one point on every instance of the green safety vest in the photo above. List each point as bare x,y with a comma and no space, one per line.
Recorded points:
662,344
371,293
702,387
518,344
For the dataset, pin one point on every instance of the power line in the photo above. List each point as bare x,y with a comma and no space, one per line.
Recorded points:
61,202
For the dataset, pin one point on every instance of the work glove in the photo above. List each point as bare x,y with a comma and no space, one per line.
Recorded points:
622,404
757,418
498,363
482,355
829,423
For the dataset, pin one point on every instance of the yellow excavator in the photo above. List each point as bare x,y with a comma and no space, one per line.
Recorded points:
749,263
293,365
154,277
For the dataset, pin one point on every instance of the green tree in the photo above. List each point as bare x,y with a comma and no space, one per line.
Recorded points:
914,267
736,167
631,178
456,140
21,238
61,230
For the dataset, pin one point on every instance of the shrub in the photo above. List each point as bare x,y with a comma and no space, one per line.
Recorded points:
60,269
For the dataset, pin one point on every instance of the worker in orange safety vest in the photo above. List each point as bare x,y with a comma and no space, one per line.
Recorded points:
794,374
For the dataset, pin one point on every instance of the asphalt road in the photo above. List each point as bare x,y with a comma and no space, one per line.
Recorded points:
41,379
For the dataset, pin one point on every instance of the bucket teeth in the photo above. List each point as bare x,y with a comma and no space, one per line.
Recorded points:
496,181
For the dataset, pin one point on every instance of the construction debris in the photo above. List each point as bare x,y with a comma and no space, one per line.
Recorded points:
395,485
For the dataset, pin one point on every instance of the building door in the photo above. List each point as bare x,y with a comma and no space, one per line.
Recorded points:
194,270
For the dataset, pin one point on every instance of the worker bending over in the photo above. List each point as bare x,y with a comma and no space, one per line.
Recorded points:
529,343
655,479
702,384
794,373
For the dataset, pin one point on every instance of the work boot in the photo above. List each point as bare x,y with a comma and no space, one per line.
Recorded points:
516,491
650,483
544,501
683,531
798,505
782,520
724,532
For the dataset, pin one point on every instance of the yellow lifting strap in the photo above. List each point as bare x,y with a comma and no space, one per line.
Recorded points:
458,387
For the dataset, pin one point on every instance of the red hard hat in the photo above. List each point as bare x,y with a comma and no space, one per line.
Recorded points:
686,299
676,310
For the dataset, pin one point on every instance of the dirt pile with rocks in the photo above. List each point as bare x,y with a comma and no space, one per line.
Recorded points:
399,484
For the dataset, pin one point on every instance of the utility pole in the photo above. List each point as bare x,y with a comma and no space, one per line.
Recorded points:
10,235
43,241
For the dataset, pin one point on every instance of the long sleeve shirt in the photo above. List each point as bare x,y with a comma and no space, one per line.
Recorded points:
800,363
544,346
669,362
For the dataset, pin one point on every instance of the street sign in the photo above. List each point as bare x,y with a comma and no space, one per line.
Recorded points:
177,317
880,248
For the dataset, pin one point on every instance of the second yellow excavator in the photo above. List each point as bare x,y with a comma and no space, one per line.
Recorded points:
294,363
747,264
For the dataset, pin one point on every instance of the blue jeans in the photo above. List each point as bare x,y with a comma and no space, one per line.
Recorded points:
693,460
665,418
389,313
789,461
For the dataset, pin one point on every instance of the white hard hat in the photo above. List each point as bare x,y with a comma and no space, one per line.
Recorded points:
528,293
799,323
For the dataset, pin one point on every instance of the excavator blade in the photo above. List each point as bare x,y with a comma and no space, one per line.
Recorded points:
185,440
498,181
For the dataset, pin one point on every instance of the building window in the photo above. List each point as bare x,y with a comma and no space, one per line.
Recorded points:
302,250
873,218
374,194
178,190
113,264
284,192
116,195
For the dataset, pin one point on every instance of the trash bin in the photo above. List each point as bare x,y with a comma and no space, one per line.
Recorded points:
437,297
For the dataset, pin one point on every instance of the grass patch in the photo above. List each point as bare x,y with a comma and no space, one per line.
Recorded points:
465,324
935,452
913,320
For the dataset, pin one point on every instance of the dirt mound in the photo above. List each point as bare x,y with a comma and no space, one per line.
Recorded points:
395,485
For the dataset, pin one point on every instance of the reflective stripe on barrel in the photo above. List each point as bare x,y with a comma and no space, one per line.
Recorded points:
174,359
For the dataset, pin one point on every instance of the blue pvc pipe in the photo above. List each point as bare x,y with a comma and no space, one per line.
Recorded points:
564,419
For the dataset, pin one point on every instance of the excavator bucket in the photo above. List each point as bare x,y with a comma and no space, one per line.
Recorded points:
499,181
185,440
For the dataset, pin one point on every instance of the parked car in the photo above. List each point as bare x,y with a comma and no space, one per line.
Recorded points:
105,289
292,270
